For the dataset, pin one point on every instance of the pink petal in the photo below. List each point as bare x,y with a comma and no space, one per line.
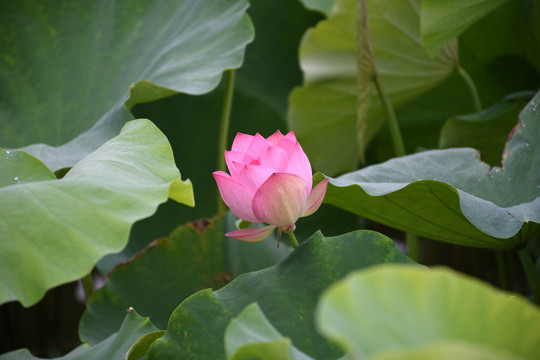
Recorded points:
299,164
252,234
290,136
275,138
236,195
241,142
235,161
315,198
253,175
281,199
286,144
258,147
276,159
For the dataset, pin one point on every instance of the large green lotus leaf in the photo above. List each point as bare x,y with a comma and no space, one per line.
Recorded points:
324,110
443,21
486,131
194,256
21,167
250,335
448,350
157,279
450,195
54,231
64,82
287,294
114,347
393,308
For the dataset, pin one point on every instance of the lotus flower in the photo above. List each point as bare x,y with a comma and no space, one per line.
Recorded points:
270,182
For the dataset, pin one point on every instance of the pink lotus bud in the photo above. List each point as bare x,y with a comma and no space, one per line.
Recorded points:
270,182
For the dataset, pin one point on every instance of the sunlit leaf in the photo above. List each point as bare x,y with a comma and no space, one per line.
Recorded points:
426,311
324,110
54,231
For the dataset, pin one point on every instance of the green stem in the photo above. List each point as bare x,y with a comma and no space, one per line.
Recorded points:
472,88
412,246
502,270
88,285
530,271
399,149
395,133
294,242
224,129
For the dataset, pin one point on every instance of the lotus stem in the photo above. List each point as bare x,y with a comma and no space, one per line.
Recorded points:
472,88
224,129
88,285
530,272
294,242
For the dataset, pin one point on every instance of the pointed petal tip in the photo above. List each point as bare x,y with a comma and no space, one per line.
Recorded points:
252,234
316,197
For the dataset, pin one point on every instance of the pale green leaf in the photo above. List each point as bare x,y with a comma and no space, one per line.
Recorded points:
54,231
402,308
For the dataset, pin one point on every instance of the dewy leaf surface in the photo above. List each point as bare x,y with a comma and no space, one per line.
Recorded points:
417,308
66,67
324,109
284,293
443,21
54,231
21,167
450,195
114,347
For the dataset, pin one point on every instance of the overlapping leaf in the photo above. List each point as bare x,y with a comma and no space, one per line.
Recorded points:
64,82
287,294
190,259
324,110
426,313
115,347
450,195
250,335
444,21
54,231
486,131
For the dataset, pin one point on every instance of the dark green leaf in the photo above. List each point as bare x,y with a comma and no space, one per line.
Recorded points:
141,346
443,21
64,82
250,335
156,280
450,195
486,131
287,293
114,347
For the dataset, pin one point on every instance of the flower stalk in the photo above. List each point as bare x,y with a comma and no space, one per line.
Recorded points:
224,129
